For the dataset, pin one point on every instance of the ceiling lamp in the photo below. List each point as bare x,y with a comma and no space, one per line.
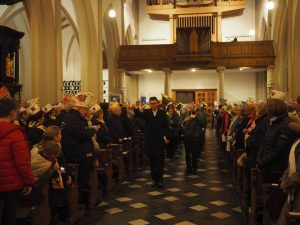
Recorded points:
112,13
270,5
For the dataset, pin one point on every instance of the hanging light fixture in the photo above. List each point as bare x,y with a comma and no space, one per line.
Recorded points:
270,5
112,13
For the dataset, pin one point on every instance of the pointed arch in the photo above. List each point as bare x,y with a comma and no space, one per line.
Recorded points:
129,40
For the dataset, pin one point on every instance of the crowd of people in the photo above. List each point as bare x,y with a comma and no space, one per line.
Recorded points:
268,134
38,143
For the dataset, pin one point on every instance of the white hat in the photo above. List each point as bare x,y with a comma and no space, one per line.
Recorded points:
33,109
22,109
59,106
47,108
33,101
83,99
274,94
95,108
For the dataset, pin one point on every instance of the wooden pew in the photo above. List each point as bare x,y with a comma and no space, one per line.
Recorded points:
118,162
128,155
294,213
273,201
105,169
76,211
256,203
34,209
96,192
136,151
237,171
142,150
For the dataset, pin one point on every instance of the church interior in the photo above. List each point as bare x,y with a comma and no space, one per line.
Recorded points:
182,112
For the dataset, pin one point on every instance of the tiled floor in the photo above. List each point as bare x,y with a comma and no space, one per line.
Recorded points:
203,199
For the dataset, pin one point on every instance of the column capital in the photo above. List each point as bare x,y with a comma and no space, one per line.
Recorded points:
221,69
271,67
167,70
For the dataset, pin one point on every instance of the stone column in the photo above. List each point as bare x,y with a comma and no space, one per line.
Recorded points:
219,27
46,49
221,74
90,38
172,32
270,78
167,89
122,87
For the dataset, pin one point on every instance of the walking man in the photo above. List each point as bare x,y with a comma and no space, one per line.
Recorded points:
156,138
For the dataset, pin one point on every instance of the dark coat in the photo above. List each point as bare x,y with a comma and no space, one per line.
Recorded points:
103,137
35,133
115,127
51,122
273,154
239,132
255,140
77,144
156,128
193,127
174,125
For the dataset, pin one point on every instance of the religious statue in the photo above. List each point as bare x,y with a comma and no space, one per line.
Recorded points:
9,66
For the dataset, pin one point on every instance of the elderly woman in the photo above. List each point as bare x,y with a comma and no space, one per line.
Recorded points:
290,182
273,154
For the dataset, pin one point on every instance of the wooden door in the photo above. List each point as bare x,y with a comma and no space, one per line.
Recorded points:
208,96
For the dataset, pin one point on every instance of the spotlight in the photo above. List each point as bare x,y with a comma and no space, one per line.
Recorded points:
112,13
270,5
193,70
148,70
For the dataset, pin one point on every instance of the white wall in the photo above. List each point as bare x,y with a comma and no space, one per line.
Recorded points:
152,31
239,26
238,85
151,84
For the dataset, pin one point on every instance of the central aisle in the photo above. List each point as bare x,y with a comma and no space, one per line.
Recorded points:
203,199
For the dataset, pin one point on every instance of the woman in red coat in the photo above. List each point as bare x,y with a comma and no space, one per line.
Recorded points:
15,170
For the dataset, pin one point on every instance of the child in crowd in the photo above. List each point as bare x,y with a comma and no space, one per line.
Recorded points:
16,176
58,172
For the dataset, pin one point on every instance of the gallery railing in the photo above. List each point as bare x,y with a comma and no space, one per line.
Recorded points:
191,3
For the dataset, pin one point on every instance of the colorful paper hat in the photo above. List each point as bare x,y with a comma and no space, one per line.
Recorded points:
83,99
47,108
33,109
95,108
274,94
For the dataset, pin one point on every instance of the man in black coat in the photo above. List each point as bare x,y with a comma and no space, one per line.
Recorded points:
156,137
77,144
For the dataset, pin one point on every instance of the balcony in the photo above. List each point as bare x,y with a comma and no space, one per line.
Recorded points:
177,7
256,54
